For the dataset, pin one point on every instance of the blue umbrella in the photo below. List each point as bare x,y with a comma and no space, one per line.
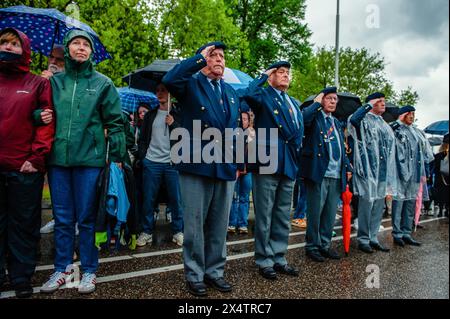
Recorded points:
45,27
437,128
237,79
132,98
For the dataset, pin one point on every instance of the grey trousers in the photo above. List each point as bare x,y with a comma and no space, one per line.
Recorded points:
272,195
402,218
206,203
370,214
322,200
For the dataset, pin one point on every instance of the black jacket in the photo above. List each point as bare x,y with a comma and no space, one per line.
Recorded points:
146,130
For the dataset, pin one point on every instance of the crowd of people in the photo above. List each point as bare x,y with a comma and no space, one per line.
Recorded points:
68,123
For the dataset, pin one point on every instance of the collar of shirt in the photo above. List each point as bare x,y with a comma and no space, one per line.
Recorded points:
325,116
212,85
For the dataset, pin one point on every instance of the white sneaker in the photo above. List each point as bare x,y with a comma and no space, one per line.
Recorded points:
48,228
355,224
57,279
87,283
144,239
178,239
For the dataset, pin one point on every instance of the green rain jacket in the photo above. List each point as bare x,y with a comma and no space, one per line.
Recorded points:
86,104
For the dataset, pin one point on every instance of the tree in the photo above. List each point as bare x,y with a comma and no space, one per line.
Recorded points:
275,31
185,25
361,73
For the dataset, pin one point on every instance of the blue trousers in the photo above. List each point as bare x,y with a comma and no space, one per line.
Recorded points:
322,204
241,201
73,194
402,218
206,203
153,175
300,210
272,196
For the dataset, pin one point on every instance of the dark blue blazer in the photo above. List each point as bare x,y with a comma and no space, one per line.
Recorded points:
197,101
266,105
315,153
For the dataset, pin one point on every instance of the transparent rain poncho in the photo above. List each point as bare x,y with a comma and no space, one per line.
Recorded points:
374,170
413,152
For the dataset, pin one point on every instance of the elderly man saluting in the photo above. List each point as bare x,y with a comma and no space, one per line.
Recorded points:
375,174
272,191
206,188
324,166
413,153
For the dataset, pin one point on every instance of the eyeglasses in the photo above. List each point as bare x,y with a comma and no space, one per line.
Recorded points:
331,98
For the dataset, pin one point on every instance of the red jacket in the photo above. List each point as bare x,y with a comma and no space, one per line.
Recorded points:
22,93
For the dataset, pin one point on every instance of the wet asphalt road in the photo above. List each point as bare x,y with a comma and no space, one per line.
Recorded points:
156,272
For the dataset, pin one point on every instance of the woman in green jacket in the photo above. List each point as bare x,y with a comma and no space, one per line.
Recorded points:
86,104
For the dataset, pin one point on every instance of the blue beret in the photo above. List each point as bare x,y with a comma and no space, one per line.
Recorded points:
375,95
407,109
279,64
217,44
328,90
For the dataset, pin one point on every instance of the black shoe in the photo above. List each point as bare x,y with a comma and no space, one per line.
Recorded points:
268,273
420,226
411,241
219,284
23,290
286,269
316,256
399,242
196,288
378,246
365,248
330,253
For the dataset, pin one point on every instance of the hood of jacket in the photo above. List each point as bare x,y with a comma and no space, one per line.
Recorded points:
23,64
72,66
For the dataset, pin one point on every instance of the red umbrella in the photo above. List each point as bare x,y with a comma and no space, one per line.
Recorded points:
346,218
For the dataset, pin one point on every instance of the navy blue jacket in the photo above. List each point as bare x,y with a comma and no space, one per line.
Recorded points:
266,105
315,153
197,101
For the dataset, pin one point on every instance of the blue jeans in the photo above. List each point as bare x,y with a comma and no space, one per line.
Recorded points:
300,211
153,175
73,194
241,201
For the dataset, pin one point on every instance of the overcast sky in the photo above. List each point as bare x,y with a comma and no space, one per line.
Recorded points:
412,35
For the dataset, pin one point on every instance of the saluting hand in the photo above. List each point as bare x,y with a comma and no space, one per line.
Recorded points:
207,51
319,98
374,101
270,71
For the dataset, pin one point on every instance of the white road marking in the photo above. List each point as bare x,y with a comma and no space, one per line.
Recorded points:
9,294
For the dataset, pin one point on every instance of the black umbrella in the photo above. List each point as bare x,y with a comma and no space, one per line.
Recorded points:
391,113
148,77
348,103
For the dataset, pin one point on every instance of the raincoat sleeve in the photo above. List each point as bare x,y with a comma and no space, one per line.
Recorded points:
358,116
44,135
176,80
113,122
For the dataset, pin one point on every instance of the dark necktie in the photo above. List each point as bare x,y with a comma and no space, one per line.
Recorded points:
216,84
332,138
288,107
